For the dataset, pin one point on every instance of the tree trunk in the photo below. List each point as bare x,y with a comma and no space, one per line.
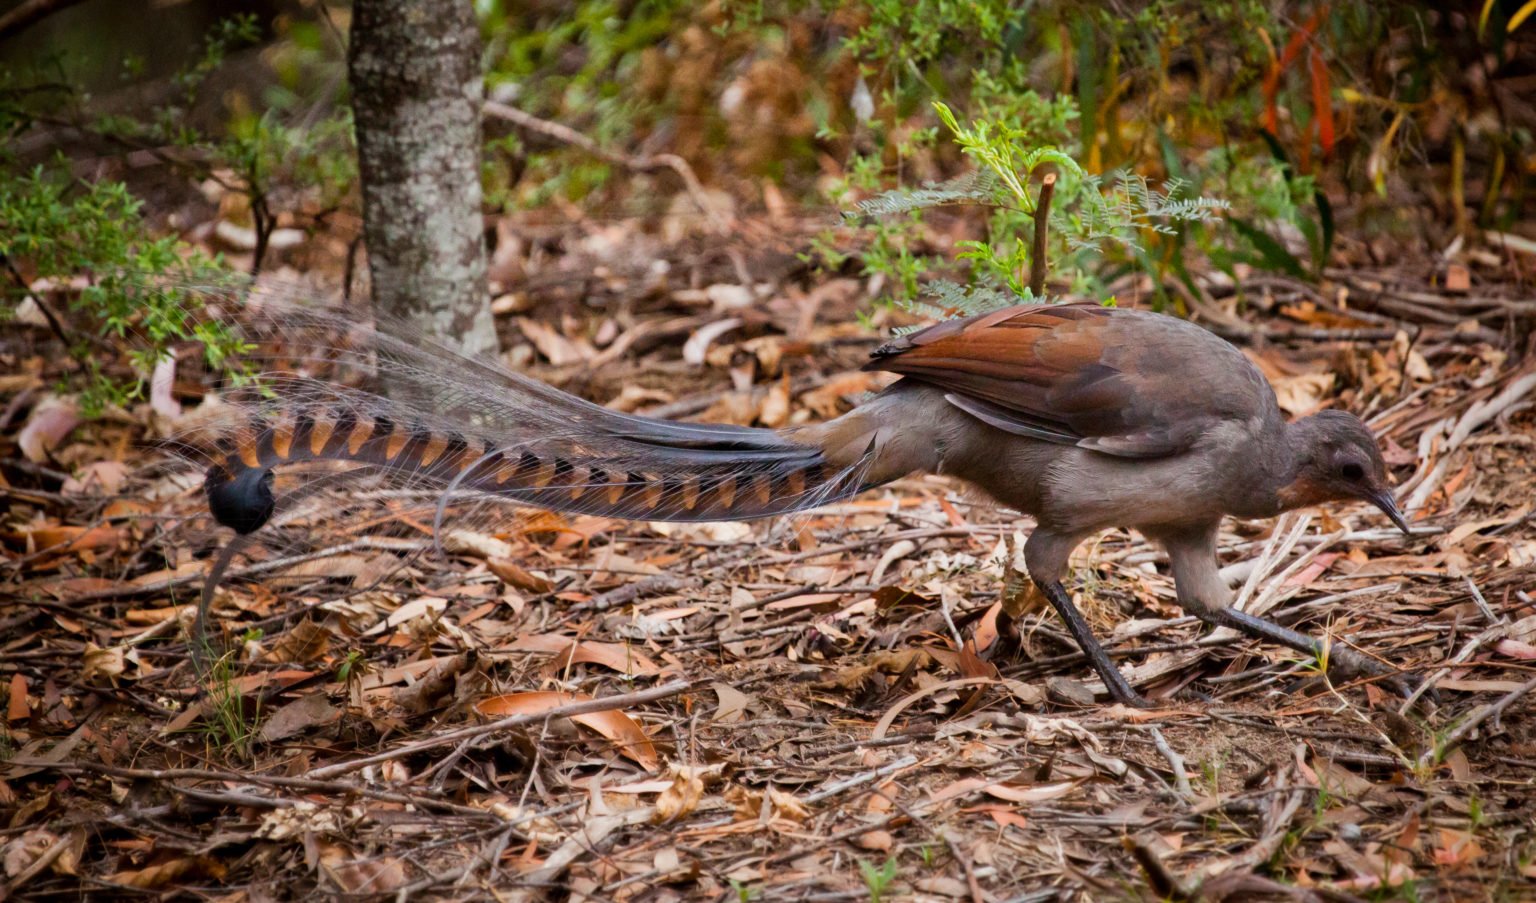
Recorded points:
416,91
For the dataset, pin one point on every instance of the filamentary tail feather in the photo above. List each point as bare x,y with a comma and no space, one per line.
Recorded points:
634,468
472,427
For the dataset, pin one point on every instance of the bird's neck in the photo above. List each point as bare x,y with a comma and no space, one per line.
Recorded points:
1277,454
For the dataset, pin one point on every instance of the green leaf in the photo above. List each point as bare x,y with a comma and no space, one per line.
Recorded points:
1325,218
1272,253
1278,152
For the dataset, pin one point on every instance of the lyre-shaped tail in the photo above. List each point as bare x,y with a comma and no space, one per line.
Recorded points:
465,426
607,463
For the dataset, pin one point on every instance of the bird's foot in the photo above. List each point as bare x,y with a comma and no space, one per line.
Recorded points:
1134,700
1120,691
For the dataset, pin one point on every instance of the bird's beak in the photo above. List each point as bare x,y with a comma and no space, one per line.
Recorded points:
1382,498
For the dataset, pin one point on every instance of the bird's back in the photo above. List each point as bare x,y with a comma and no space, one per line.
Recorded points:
1120,382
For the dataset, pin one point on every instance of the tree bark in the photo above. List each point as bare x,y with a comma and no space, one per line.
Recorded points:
416,92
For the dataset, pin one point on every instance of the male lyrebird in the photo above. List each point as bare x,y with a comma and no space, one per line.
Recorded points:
1086,417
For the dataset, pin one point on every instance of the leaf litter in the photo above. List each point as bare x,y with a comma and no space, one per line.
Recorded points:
651,711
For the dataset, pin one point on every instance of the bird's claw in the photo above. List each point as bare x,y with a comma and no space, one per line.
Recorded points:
1131,699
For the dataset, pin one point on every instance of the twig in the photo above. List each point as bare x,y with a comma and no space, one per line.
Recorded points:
1274,833
656,583
486,855
1492,634
54,851
1482,604
594,830
866,777
1475,416
1175,762
567,135
123,591
1042,220
313,785
1460,732
1162,881
585,707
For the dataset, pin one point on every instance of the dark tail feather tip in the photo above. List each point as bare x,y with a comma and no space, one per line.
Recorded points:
243,502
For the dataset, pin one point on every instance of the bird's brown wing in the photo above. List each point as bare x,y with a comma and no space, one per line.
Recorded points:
1121,382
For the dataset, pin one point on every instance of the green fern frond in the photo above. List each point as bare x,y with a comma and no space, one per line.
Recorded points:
943,300
979,187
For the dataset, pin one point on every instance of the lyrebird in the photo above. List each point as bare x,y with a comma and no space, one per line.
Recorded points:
1086,417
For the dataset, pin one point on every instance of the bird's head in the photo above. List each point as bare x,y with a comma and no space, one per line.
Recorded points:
1338,459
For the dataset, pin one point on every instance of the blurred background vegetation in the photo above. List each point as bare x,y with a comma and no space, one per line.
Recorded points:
1323,133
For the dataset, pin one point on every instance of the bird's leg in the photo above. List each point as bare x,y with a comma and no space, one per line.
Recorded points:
1118,688
1202,592
1345,662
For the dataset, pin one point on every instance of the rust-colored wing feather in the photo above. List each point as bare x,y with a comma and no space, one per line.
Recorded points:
1122,382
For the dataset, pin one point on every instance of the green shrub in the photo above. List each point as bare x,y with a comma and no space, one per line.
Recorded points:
137,287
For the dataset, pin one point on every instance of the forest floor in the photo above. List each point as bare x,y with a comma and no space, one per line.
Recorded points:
832,706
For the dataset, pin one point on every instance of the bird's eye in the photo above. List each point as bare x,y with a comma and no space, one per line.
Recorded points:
1352,472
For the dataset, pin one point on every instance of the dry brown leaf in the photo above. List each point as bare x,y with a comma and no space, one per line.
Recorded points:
361,568
423,606
787,805
555,347
682,796
697,346
17,708
103,665
163,874
632,397
732,707
51,420
371,876
304,643
1003,815
1515,649
621,657
774,411
1456,848
514,574
61,540
725,296
304,713
479,545
826,401
1013,793
943,886
19,853
613,724
712,531
97,478
1303,394
1407,843
971,665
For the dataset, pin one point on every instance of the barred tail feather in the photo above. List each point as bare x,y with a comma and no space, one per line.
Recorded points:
615,465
